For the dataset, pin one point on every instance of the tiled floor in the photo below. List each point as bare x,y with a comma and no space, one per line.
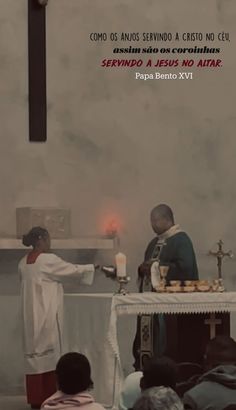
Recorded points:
13,403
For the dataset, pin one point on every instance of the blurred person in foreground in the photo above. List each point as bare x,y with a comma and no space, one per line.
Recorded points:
158,398
216,388
73,374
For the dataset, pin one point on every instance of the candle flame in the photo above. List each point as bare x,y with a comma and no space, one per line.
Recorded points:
111,225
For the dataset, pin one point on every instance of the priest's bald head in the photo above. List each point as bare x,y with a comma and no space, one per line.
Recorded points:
162,218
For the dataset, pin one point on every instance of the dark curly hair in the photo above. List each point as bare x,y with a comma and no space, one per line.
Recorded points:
34,235
73,373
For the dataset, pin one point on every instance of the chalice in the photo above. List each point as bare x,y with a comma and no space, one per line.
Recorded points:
163,269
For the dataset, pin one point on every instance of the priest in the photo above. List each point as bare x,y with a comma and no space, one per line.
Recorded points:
172,247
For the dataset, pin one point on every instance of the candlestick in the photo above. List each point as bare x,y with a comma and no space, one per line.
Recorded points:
111,272
122,282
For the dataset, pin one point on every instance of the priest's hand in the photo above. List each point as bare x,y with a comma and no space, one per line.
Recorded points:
144,270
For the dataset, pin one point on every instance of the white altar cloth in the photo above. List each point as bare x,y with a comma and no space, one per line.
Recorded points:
152,302
86,324
92,327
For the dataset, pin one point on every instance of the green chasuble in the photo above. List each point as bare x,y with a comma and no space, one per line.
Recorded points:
178,254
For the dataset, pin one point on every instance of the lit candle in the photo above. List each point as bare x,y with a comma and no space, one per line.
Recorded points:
121,265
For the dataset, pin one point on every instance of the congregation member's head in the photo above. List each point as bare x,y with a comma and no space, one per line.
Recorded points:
216,388
38,238
220,350
130,391
162,218
73,373
158,398
159,372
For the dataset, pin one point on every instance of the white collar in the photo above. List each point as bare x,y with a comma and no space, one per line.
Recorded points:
173,230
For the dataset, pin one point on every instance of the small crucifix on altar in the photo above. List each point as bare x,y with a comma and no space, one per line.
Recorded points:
212,322
220,254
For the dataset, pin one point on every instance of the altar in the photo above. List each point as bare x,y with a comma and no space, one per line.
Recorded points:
91,327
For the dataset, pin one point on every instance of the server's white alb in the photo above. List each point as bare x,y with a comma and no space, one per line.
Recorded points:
42,307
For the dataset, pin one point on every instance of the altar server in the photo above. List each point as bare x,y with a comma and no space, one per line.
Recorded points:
42,308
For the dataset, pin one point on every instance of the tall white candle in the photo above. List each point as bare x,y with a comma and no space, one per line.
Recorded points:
121,265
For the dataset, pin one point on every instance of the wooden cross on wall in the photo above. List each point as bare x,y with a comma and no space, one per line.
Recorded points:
37,70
